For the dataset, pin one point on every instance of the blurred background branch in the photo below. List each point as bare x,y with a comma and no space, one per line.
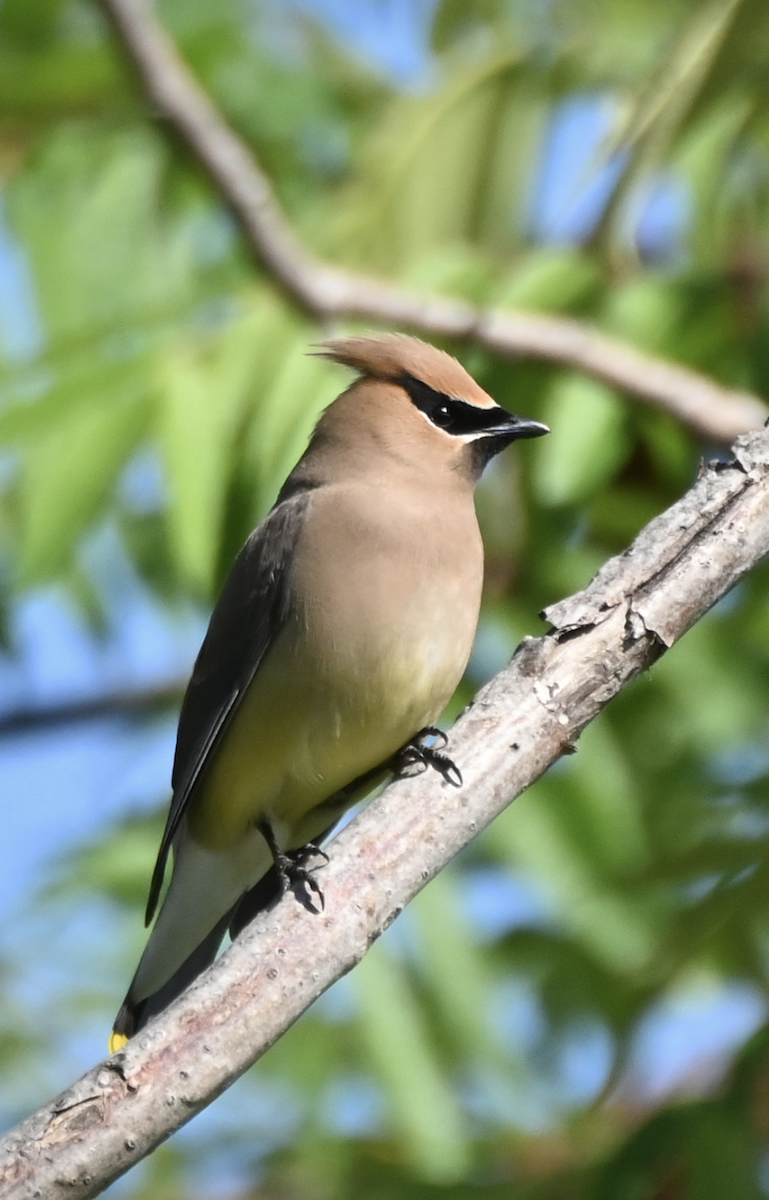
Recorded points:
24,720
329,293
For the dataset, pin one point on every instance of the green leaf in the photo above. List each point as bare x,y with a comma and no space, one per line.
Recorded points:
449,166
399,1046
550,279
291,399
723,1155
647,311
457,970
204,396
68,475
117,865
620,934
63,393
587,443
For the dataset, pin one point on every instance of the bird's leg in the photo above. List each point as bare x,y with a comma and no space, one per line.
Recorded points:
418,754
292,870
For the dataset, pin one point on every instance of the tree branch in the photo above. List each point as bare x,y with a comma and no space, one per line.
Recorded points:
520,723
140,702
712,411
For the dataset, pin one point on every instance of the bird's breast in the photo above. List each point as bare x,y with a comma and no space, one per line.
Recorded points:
388,596
380,628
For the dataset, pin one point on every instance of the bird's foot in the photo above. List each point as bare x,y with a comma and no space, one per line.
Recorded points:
301,878
426,750
293,872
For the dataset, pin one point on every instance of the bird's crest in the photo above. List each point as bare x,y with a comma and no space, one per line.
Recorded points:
392,356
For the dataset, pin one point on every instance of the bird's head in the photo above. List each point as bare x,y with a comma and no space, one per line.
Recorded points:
418,403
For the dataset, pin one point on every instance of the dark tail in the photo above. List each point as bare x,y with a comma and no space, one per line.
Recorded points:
134,1014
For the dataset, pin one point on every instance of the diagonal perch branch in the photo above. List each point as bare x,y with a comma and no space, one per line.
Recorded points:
712,411
638,605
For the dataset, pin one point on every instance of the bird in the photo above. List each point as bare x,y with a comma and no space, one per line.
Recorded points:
340,635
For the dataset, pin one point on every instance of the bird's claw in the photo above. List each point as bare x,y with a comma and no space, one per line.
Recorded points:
292,870
417,755
295,875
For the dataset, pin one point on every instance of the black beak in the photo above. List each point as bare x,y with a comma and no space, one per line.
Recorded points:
508,426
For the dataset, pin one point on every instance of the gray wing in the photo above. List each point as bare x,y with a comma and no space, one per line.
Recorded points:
251,609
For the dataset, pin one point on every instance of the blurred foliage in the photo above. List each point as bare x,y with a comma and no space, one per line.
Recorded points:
500,1040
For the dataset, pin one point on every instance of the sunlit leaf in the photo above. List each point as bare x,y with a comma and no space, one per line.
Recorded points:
68,476
587,443
397,1041
204,394
550,279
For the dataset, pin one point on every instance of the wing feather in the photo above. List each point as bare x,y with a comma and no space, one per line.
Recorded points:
250,611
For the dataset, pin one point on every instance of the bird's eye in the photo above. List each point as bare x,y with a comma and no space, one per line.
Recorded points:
441,416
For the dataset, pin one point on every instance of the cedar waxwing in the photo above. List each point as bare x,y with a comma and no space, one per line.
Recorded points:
342,631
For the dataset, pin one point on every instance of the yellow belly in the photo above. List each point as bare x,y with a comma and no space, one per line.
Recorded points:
307,727
380,633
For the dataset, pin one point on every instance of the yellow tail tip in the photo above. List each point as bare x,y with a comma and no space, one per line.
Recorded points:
116,1042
